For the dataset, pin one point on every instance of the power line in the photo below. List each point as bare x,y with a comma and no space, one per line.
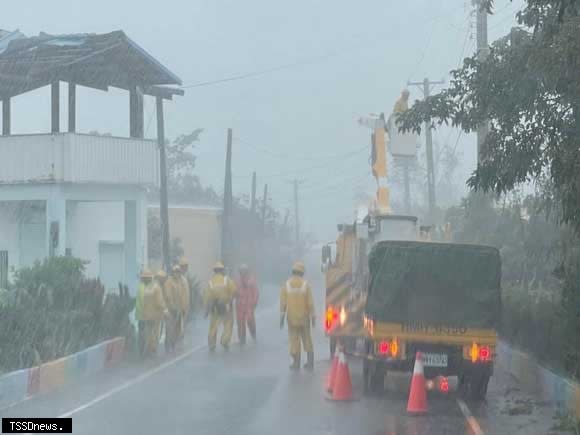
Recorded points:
462,56
299,171
299,63
310,158
457,141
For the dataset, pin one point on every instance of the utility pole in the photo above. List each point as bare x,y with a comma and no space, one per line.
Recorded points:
426,85
227,212
296,215
482,52
253,195
407,187
264,202
163,205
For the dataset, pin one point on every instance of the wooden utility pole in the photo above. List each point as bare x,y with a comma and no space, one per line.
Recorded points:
55,106
253,195
72,107
163,206
426,87
482,52
228,200
296,183
296,213
6,121
264,202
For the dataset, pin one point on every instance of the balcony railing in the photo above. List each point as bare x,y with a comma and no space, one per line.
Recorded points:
78,158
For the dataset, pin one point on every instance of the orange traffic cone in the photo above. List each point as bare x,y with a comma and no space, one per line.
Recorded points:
332,374
342,387
418,395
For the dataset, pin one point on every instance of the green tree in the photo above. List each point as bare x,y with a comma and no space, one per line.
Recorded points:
183,186
528,88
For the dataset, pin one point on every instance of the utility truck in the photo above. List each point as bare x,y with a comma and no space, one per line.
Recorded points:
441,299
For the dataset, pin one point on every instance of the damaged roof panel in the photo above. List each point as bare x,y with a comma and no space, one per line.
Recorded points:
91,60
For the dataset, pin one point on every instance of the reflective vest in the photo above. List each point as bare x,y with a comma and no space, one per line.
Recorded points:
296,301
219,295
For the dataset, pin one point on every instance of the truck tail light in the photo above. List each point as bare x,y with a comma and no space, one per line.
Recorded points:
384,347
443,384
394,347
343,316
484,353
331,317
474,352
479,353
387,347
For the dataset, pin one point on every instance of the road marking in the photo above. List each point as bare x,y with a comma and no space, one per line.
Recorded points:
148,374
471,420
132,382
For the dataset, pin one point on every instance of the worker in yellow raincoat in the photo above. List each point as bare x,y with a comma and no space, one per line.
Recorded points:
154,311
402,104
185,297
218,302
146,280
297,306
172,293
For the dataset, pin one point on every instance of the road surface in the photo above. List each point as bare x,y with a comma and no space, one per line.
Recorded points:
250,391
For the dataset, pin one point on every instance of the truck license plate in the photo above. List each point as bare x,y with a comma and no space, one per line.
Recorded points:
435,360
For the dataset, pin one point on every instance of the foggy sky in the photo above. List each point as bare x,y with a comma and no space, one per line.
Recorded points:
353,58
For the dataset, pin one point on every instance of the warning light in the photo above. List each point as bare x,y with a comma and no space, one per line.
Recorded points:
474,352
444,385
342,316
484,353
330,316
394,347
384,347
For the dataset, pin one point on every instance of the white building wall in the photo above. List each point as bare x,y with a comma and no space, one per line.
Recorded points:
78,158
9,232
90,223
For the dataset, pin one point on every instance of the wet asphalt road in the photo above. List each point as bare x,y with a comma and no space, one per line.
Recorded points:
250,391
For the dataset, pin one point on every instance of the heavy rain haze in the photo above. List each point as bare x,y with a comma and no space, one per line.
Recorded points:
320,68
303,217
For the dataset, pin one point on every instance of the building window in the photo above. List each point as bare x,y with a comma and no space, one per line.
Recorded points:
3,269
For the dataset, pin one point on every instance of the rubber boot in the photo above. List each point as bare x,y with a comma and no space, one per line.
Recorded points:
310,362
295,362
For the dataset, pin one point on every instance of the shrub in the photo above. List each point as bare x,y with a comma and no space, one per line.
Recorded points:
53,310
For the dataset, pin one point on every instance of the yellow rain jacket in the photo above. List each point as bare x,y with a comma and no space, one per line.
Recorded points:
172,293
139,301
184,299
296,301
154,307
220,289
401,106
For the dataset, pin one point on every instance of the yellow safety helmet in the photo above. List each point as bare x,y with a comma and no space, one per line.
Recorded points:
146,273
298,267
218,265
183,261
161,274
